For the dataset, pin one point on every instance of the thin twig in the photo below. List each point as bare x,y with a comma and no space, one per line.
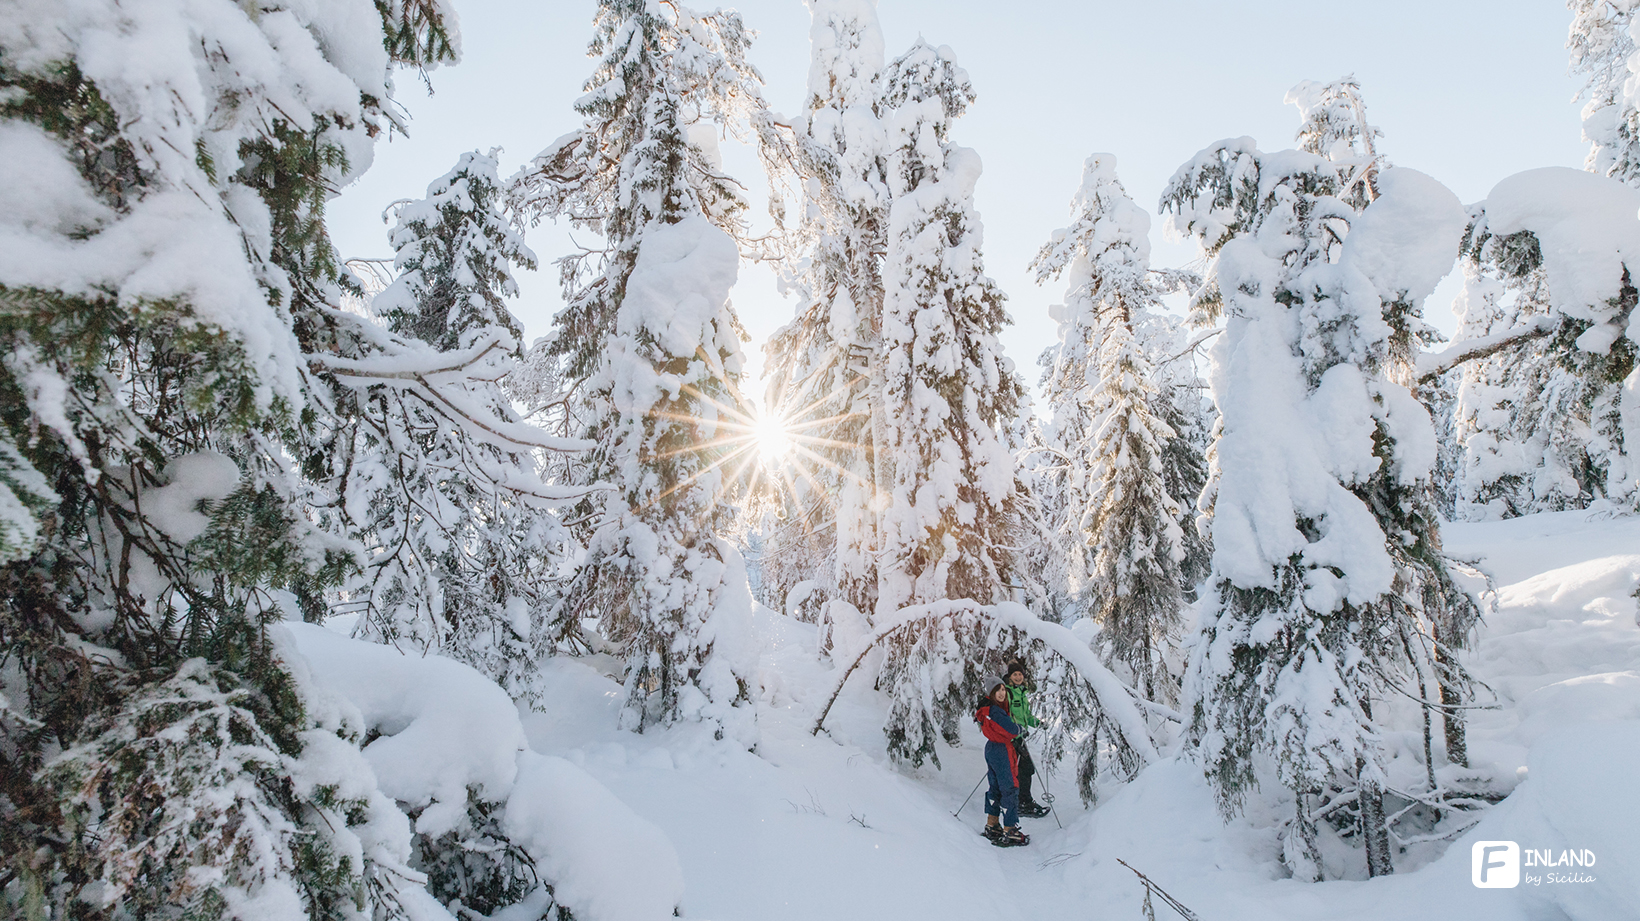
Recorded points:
1170,901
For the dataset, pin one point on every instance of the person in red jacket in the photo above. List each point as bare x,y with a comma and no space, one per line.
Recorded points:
1002,766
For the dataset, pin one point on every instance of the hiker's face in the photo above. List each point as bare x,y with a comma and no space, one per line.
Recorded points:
1000,695
1016,677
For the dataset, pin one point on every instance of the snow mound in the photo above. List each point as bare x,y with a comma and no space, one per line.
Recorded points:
1580,795
608,862
444,728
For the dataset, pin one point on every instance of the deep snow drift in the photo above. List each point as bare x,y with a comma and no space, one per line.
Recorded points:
824,827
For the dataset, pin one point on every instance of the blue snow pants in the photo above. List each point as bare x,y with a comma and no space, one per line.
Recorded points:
1002,796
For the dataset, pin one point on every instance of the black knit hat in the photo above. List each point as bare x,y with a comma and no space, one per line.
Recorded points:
1015,666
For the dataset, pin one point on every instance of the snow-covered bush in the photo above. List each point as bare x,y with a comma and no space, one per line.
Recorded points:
494,826
186,801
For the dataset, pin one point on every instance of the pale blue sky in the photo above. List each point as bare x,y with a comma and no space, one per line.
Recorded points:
1466,91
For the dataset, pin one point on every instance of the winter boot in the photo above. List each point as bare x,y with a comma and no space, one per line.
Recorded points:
1011,837
1032,810
992,832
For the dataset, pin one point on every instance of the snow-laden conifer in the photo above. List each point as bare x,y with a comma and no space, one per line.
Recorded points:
824,378
454,251
1519,416
461,535
1547,407
171,419
1542,419
951,523
1601,45
1117,526
645,356
1326,556
1334,125
1135,526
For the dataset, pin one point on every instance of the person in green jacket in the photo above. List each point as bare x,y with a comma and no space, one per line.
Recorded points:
1019,707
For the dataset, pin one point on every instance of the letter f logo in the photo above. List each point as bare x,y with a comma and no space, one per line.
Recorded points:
1495,864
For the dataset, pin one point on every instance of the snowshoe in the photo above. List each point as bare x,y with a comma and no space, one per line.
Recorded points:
1011,837
993,832
1033,810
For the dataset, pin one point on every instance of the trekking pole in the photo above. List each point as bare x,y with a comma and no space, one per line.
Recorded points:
970,795
1047,794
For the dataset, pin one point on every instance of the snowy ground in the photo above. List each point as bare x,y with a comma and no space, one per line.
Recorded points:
825,828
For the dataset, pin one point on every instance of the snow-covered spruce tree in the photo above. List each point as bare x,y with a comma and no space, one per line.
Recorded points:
461,537
1601,43
454,251
1139,543
951,522
169,287
1325,557
1118,521
1171,347
1333,124
646,353
1542,418
824,366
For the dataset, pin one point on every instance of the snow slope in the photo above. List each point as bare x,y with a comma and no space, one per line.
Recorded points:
824,827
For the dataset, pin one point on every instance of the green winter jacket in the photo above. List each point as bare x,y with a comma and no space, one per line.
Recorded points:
1019,707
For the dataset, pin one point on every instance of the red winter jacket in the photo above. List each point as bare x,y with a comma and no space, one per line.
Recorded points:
999,728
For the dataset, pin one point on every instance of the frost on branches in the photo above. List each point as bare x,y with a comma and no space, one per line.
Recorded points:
645,358
1327,572
461,540
951,523
1117,526
824,380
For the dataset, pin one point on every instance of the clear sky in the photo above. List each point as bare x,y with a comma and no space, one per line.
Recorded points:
1467,91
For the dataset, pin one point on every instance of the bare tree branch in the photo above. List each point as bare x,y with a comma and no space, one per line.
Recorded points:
1434,364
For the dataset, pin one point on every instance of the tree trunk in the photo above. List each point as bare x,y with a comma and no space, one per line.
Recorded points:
1374,830
1457,745
1298,849
1087,768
